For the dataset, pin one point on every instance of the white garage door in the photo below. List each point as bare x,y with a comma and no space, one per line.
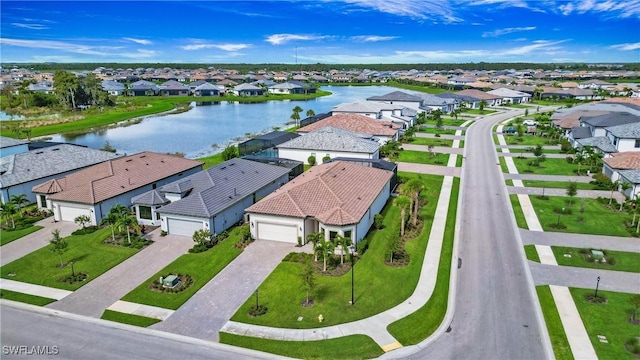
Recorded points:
183,227
277,232
69,213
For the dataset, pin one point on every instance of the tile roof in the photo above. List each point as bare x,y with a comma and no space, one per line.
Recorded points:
631,175
333,139
572,119
504,92
625,131
481,95
610,119
356,123
624,160
115,177
600,142
601,106
41,163
218,187
335,193
580,132
362,106
152,198
396,96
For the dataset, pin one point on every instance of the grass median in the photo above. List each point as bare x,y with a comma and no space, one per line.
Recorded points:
531,253
616,260
559,341
423,157
521,221
25,298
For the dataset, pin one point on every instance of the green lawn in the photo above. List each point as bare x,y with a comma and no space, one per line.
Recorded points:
9,236
423,157
503,164
517,211
596,219
421,324
557,184
202,267
25,298
531,253
508,182
495,139
609,320
348,347
430,141
212,160
130,319
478,112
430,130
378,287
547,167
530,140
559,341
624,261
88,253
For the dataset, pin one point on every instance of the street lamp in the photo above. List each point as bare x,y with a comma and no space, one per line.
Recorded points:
597,283
256,299
72,272
352,253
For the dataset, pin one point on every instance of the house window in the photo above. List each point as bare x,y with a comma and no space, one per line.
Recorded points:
43,199
347,234
145,212
154,186
332,235
637,145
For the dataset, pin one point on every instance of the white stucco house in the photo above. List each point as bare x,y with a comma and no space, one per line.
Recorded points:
335,198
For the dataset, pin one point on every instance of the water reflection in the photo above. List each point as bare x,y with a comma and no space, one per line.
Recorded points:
207,128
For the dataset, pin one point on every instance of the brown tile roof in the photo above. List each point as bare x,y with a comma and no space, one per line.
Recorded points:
635,101
112,178
478,94
572,119
355,123
336,193
624,160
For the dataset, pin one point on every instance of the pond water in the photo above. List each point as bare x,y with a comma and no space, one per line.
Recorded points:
195,131
5,116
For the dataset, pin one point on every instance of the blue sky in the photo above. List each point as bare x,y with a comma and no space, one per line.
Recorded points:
321,31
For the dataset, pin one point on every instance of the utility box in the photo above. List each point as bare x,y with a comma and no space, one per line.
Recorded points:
597,255
170,281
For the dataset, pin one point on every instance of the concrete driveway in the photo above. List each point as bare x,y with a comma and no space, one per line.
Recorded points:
93,298
212,306
36,240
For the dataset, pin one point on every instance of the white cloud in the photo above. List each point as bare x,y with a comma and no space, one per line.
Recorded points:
626,47
505,31
372,38
609,8
425,9
225,47
138,41
55,45
538,46
31,26
279,39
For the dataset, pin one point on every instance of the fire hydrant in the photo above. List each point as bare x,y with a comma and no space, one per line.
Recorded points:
320,318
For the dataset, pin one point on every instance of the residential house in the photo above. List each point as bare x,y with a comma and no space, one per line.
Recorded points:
399,98
286,88
95,190
463,100
491,100
337,198
624,167
208,89
212,199
432,103
396,113
248,90
329,142
625,137
511,96
113,87
383,131
173,88
143,88
265,144
21,171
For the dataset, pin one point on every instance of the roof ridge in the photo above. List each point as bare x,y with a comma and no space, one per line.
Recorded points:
203,203
329,187
295,203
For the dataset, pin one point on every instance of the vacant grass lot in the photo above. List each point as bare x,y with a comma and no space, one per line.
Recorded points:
130,319
624,261
9,236
557,184
547,167
596,218
422,157
609,320
517,211
378,287
430,141
88,253
201,266
348,347
25,298
559,342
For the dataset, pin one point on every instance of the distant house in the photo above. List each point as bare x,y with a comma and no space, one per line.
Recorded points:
492,100
625,137
93,191
398,98
329,142
143,88
286,88
396,113
113,87
21,171
383,131
214,199
45,87
624,167
265,144
247,90
511,96
431,103
173,88
208,89
337,198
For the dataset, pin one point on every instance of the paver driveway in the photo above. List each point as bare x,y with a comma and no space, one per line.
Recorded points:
34,241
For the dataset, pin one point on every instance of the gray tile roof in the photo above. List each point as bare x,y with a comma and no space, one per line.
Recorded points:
361,106
504,92
611,119
153,197
395,96
221,186
178,187
41,163
626,131
601,106
332,139
143,85
6,142
580,132
600,142
631,175
432,100
110,85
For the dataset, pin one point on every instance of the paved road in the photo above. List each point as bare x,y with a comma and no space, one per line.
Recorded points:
34,241
585,278
204,314
580,240
496,313
79,337
99,294
563,192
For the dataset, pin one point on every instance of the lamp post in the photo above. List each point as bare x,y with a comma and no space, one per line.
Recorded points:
352,252
597,284
72,272
256,298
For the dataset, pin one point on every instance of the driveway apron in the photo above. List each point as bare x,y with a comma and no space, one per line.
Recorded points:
34,241
212,306
93,298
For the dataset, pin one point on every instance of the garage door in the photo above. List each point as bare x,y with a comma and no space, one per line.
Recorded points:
183,227
69,213
277,232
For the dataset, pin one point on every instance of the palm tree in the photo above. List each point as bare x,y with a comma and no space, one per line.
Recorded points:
325,247
579,160
403,203
624,186
127,223
110,220
8,210
614,186
483,104
20,200
314,239
295,116
343,242
119,210
413,187
310,113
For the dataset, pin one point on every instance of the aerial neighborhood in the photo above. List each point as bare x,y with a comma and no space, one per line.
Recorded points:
353,197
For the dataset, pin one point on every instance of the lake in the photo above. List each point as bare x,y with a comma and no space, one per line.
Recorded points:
195,131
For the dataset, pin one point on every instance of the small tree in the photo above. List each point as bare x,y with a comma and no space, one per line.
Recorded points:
378,221
624,186
311,160
82,220
20,200
343,242
483,104
230,152
8,210
308,277
403,203
201,236
310,113
58,245
614,186
325,247
635,301
314,239
572,190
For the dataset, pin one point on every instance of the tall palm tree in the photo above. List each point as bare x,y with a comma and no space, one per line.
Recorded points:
314,239
343,242
325,247
624,186
413,188
403,203
8,210
20,200
110,220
